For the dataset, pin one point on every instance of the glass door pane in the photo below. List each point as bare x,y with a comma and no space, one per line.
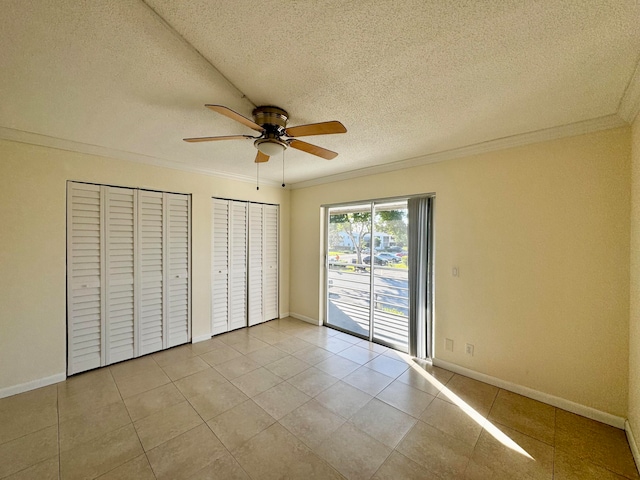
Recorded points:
348,276
390,296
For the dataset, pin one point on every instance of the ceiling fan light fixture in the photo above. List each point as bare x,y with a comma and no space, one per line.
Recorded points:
270,146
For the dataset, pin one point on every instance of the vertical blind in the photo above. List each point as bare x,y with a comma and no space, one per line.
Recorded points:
420,276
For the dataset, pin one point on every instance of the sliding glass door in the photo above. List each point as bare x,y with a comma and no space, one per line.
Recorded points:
348,278
367,271
390,291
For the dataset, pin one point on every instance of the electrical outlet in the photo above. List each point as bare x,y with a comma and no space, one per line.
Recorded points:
448,344
469,349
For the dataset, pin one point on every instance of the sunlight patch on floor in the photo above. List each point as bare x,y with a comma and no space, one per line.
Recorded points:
494,431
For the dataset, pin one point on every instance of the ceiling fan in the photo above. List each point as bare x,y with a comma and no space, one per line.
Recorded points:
275,137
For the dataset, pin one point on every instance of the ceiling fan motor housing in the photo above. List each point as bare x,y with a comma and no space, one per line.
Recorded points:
272,119
274,122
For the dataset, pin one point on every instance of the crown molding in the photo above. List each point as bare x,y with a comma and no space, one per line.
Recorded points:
630,102
31,138
569,130
554,133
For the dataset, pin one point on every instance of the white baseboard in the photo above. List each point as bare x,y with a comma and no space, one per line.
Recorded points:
32,385
201,338
632,443
562,403
284,315
304,318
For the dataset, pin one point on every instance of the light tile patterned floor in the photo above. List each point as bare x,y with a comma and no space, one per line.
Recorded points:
286,399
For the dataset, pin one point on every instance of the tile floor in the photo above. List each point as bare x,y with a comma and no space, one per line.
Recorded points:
286,399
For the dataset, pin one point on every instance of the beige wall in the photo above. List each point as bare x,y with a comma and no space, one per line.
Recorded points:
33,242
540,235
541,238
634,327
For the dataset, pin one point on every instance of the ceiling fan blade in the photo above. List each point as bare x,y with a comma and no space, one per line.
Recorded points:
227,112
215,139
313,149
323,128
261,157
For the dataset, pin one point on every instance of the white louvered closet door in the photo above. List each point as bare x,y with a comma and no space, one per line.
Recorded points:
270,275
177,266
237,265
256,260
220,266
120,233
84,278
128,274
150,272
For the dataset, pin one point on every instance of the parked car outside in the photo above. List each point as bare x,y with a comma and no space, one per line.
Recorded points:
378,260
389,257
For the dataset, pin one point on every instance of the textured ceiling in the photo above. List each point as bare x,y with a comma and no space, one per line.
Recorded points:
408,79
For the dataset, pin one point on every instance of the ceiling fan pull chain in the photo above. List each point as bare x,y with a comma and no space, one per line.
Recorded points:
257,176
282,168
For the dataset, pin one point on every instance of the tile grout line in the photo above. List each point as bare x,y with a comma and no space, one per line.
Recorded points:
486,419
172,382
205,422
139,440
56,424
230,452
132,424
276,421
311,450
247,440
39,430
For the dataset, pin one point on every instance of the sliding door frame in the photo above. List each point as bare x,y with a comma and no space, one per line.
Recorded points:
430,287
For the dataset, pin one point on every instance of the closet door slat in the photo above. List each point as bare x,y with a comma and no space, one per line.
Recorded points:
84,277
151,272
220,266
271,260
237,265
177,267
120,246
256,260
